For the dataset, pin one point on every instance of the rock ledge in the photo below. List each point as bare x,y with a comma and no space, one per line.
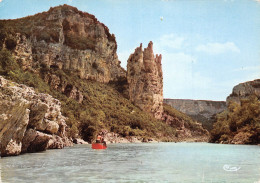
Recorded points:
29,121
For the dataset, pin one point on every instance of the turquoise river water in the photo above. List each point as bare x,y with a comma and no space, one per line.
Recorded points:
157,162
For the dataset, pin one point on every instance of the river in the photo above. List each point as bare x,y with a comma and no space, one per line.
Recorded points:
155,162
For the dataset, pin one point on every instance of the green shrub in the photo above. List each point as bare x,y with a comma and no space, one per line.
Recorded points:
189,123
244,118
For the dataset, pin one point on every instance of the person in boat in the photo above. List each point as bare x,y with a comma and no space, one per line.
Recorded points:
100,139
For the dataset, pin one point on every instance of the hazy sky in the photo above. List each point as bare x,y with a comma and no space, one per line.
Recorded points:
207,46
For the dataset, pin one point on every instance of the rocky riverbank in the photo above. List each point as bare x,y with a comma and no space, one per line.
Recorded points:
30,121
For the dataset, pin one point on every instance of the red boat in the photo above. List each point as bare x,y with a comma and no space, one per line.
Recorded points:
99,146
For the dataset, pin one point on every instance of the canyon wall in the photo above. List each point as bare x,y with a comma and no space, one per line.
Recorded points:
194,107
64,38
200,110
145,80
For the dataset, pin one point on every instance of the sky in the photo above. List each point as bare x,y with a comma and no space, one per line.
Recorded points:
207,46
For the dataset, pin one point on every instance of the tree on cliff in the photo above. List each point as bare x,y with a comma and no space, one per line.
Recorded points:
239,124
7,63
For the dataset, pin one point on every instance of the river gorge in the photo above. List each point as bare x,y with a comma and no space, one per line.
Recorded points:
73,74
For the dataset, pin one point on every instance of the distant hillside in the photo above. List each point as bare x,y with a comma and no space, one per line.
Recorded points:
203,111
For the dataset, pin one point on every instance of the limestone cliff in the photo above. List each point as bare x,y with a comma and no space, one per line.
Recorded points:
64,38
29,121
200,110
243,90
193,107
145,79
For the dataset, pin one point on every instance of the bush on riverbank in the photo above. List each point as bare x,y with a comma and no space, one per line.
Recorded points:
239,124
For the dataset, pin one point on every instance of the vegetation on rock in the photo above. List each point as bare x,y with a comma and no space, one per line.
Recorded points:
102,106
240,124
186,128
70,55
66,38
203,111
189,122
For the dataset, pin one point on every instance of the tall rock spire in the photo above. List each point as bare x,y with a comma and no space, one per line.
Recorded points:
145,79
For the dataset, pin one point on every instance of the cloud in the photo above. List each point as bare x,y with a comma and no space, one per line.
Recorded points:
178,69
181,79
171,41
218,48
2,3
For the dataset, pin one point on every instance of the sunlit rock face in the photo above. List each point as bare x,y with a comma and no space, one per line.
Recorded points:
29,121
69,39
145,79
200,110
244,90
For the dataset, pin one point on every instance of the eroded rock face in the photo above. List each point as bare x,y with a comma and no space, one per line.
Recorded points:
34,141
244,90
200,110
145,79
205,108
68,89
69,39
29,120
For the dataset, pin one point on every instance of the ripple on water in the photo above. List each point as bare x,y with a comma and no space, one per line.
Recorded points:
160,162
